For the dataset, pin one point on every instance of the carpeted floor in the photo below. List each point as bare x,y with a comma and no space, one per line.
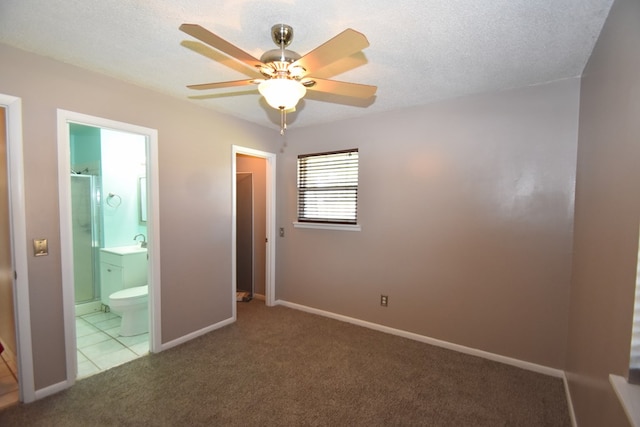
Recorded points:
282,367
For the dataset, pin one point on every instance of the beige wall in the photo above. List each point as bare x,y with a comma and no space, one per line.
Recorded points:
258,167
466,210
7,322
606,220
195,194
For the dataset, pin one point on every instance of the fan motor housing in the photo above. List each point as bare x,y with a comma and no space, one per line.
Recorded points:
279,55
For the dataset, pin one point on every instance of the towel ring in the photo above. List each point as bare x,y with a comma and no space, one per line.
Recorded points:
114,200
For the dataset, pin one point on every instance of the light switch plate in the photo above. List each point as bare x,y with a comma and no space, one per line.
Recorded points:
40,247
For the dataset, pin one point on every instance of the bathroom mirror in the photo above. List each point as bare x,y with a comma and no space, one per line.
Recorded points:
142,192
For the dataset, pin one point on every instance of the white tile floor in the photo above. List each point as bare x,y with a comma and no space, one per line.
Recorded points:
99,345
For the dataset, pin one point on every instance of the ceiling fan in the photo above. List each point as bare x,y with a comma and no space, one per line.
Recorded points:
287,74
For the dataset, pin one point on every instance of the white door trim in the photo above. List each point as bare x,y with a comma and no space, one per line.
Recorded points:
153,228
270,262
15,164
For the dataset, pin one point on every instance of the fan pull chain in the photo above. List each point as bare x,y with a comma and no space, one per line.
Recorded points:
283,121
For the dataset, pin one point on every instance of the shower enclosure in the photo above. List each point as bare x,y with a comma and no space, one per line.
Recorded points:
85,221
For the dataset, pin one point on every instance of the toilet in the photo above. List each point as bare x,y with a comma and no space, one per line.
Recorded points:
133,305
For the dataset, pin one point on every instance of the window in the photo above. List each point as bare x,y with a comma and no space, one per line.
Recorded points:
328,187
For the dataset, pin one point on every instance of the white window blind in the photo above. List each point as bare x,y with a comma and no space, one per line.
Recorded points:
328,187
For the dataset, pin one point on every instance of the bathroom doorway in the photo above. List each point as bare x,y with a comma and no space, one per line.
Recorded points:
106,167
109,236
253,250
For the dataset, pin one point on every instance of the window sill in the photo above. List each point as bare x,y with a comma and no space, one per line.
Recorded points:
629,396
323,226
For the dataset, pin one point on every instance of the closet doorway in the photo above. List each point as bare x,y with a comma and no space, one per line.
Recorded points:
253,242
247,257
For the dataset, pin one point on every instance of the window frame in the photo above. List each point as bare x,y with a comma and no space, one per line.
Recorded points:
324,222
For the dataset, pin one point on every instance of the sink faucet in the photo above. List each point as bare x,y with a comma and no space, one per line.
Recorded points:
143,243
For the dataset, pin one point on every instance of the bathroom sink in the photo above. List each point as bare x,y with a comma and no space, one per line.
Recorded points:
125,250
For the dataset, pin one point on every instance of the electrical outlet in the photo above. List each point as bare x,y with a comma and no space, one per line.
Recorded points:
384,300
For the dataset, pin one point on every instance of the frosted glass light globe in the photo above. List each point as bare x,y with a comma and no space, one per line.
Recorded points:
282,93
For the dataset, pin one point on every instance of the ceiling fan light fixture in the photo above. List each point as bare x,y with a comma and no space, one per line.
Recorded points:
287,75
282,94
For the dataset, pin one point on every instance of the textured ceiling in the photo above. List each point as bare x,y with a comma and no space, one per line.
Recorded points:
420,51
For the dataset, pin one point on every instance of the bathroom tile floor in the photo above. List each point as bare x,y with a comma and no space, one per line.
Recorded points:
99,345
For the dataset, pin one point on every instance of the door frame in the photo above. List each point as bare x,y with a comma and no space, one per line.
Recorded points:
270,253
153,228
19,247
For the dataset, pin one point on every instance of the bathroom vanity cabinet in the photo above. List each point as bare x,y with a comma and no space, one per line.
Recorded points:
120,268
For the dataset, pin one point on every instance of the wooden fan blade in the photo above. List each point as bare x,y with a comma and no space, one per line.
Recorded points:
222,45
342,88
341,66
221,85
344,44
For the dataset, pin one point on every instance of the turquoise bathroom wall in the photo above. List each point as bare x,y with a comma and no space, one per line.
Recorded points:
85,149
123,164
119,160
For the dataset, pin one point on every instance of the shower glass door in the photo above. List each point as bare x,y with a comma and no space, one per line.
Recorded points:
86,243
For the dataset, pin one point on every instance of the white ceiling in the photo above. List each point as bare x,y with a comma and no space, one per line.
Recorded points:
420,50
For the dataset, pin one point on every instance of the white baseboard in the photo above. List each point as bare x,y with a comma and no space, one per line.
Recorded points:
88,307
567,392
558,373
196,334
